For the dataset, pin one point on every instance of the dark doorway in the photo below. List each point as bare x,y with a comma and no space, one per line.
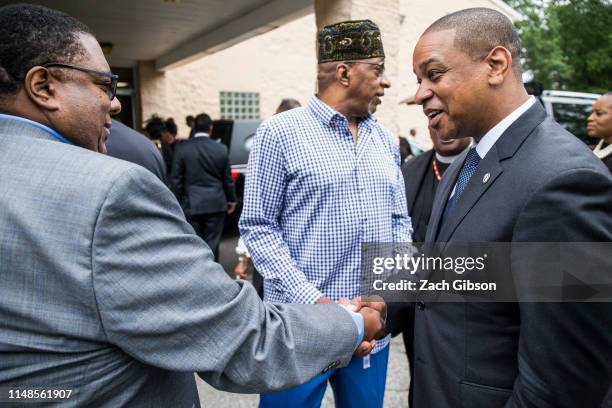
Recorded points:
126,91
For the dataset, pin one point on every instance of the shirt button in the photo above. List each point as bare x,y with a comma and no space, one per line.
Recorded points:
420,305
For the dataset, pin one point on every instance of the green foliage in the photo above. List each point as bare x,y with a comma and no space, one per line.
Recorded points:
567,44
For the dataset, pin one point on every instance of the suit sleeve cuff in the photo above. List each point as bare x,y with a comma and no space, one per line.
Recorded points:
358,319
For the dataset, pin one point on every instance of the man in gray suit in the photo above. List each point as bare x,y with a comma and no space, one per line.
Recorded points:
106,291
525,180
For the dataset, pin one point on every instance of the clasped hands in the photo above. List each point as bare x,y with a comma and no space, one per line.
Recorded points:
374,313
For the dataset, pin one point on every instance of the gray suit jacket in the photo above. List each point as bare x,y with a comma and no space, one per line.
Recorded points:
106,290
544,185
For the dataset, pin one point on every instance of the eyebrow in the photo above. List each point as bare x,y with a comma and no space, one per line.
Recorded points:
427,62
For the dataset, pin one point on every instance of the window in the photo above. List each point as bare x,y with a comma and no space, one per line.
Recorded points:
572,117
239,105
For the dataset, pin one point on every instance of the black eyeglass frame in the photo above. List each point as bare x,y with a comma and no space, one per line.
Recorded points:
112,88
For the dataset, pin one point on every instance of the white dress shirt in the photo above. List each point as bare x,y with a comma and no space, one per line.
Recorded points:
489,139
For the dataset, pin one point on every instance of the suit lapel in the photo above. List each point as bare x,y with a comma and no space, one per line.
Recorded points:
486,174
505,148
442,193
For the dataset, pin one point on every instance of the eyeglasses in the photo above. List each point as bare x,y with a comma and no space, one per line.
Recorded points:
111,89
380,66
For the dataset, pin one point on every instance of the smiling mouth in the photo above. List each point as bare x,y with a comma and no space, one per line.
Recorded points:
432,114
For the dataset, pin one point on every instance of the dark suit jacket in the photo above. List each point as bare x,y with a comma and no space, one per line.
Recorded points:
544,186
127,144
608,162
414,172
201,176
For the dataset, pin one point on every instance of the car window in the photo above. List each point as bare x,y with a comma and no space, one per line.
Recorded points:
573,117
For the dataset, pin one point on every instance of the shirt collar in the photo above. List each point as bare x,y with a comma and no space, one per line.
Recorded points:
201,134
448,159
327,115
47,129
489,139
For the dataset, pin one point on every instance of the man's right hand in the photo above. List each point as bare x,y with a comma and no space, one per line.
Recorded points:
373,324
374,313
373,303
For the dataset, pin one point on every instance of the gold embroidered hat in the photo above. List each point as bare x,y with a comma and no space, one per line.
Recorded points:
350,40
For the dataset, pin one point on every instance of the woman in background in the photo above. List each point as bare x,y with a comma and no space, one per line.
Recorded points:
599,125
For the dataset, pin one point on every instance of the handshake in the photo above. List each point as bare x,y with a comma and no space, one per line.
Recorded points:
374,313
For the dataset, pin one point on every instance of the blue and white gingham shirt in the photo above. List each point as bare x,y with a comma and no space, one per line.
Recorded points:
313,196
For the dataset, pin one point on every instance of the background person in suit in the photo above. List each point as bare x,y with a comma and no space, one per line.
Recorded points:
405,150
422,174
599,125
189,119
202,182
169,142
106,290
525,180
154,129
127,144
163,134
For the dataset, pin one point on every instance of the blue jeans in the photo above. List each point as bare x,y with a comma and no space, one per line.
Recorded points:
353,386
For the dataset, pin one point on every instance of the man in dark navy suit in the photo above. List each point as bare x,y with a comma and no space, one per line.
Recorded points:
127,144
202,182
526,179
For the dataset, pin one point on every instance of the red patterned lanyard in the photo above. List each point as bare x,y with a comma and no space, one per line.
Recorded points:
435,168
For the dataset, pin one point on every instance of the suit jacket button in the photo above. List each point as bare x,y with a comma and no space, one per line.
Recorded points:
420,305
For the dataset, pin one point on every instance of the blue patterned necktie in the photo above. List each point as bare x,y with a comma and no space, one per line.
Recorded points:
467,171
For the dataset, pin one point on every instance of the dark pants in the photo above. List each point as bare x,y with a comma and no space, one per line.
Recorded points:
209,227
408,335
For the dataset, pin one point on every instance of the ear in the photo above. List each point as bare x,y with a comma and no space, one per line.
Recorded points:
342,74
41,87
499,62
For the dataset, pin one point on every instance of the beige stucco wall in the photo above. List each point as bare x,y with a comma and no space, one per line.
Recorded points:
282,63
278,64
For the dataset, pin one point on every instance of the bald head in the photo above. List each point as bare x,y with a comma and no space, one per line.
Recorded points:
478,31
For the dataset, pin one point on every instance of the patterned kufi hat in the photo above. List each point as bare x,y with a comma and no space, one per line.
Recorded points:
350,40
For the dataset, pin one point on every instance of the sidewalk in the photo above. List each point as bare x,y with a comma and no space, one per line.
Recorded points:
396,391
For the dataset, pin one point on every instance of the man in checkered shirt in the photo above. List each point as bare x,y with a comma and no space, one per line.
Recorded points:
322,180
